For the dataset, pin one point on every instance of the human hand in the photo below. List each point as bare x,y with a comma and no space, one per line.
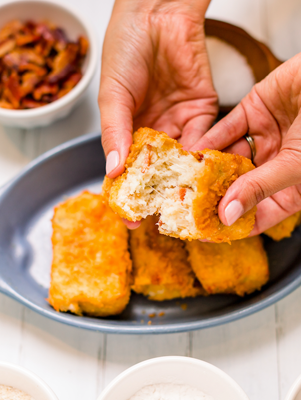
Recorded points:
271,115
155,73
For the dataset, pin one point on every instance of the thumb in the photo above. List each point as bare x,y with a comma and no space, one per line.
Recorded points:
116,105
253,187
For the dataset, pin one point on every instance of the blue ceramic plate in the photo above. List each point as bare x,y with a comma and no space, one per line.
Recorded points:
26,206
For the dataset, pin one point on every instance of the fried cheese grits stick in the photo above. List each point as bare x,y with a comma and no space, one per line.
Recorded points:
160,267
285,228
183,187
91,263
238,268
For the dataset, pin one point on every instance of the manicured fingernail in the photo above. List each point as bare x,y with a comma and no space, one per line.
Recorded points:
233,211
112,161
131,225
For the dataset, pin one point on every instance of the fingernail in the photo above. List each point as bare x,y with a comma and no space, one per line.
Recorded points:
112,161
130,224
233,211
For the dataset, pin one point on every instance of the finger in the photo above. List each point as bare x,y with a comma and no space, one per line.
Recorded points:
269,213
116,106
187,119
195,129
255,186
130,224
227,131
240,147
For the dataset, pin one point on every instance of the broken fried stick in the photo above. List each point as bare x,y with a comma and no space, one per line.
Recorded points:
184,188
91,264
239,268
161,270
285,228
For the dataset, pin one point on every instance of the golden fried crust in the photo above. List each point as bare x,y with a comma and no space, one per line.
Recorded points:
160,267
150,136
144,136
106,188
239,268
91,263
285,228
221,170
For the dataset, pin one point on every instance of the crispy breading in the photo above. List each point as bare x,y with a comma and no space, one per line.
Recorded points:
183,187
285,228
160,267
239,268
106,188
91,264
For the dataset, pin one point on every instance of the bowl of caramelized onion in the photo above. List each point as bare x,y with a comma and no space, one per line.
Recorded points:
48,57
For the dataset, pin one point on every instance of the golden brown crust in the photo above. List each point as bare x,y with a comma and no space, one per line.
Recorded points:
160,267
221,170
91,263
239,268
285,228
144,136
149,136
106,188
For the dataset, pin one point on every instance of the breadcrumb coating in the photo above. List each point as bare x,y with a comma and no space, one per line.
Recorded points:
285,228
184,188
161,270
91,264
238,268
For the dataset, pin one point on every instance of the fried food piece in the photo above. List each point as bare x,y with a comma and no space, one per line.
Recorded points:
160,267
285,228
183,187
91,263
239,268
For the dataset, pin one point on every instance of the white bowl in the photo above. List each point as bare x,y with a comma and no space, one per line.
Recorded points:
20,378
74,24
181,370
295,391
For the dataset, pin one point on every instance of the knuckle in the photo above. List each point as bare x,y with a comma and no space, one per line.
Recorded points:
229,128
289,199
255,190
108,138
210,142
113,138
297,197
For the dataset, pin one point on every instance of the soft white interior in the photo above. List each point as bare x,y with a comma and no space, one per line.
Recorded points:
162,184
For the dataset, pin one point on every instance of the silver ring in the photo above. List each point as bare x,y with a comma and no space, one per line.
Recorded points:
251,143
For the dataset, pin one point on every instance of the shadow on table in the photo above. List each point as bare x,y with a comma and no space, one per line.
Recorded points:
33,142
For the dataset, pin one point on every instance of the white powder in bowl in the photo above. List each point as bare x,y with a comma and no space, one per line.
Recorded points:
10,393
170,391
232,76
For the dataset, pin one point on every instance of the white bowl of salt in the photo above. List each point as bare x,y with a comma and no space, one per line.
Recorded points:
173,378
18,383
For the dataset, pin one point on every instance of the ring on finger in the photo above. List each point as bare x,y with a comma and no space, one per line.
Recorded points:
251,143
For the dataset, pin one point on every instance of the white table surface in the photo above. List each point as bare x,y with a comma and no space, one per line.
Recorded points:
261,352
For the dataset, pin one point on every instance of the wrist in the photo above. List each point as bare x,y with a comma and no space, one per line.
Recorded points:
196,8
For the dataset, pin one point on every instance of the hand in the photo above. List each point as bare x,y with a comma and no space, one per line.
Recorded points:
271,115
155,73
